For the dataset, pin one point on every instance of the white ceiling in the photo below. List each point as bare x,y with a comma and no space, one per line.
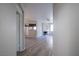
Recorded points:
36,11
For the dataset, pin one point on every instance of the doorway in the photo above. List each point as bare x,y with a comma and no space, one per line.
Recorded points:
30,30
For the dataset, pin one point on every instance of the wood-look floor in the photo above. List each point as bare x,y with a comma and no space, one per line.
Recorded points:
38,46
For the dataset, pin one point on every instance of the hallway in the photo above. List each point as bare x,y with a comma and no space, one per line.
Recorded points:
37,34
38,46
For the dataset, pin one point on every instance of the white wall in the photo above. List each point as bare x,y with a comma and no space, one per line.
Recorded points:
7,29
66,21
39,28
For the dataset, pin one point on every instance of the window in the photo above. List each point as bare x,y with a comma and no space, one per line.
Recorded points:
34,27
51,27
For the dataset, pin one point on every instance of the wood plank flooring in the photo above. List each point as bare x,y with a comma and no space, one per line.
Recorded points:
38,46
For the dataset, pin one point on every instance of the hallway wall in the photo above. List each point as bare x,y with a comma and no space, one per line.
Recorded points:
7,30
66,29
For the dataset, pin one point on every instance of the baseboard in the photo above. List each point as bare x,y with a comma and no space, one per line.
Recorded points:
21,53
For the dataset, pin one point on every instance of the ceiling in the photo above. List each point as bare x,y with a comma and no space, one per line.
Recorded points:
38,11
